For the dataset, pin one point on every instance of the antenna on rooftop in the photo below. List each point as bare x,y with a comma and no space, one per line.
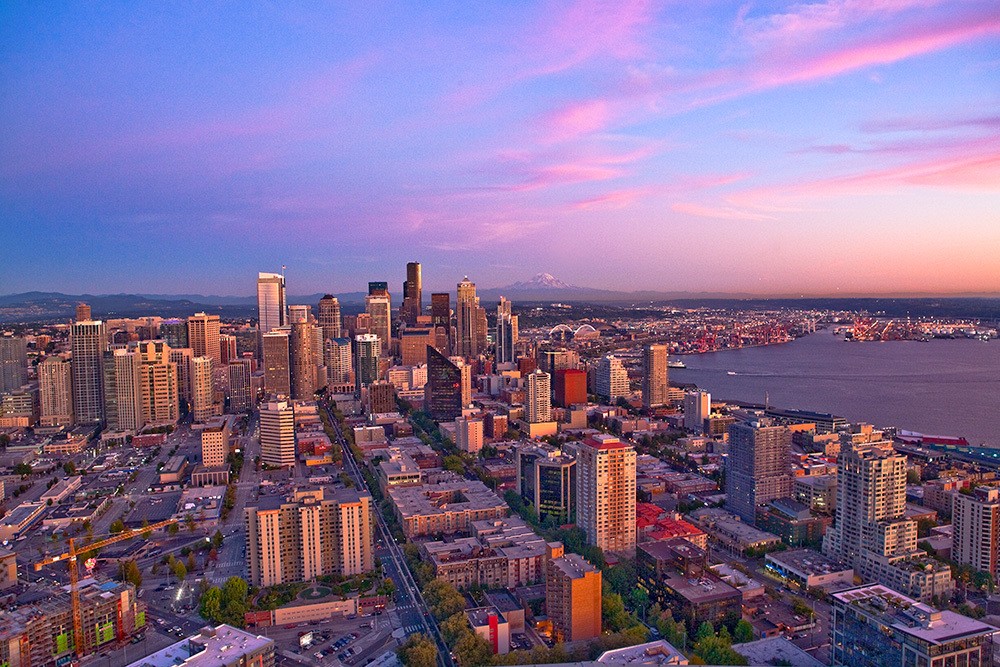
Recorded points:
283,267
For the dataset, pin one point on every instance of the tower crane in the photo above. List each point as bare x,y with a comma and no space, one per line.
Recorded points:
71,558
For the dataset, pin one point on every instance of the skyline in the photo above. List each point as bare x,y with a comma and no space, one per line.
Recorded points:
834,147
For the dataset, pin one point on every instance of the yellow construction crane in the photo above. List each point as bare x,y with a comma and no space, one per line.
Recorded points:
74,575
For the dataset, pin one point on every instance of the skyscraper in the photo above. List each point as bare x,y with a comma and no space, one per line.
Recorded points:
277,364
202,408
174,333
159,383
441,321
329,317
506,336
379,306
367,349
82,312
227,348
605,483
413,300
271,305
13,363
123,395
570,387
572,595
181,357
443,391
538,407
612,379
88,343
303,360
277,434
204,337
655,383
338,359
546,478
469,319
697,408
241,398
55,392
758,468
975,523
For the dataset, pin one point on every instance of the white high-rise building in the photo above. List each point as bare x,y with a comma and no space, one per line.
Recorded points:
538,402
88,343
125,390
338,359
611,379
277,434
605,485
469,434
975,521
697,408
271,304
202,408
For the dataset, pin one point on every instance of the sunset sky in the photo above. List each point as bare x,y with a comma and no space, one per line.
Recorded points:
847,146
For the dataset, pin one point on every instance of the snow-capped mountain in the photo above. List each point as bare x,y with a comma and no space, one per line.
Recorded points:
538,281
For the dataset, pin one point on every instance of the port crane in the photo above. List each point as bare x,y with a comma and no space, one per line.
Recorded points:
72,556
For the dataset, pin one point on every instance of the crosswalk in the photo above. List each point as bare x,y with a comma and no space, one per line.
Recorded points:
410,629
239,562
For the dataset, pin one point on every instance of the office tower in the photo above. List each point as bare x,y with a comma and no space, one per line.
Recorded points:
88,343
758,468
82,312
271,304
697,408
203,337
13,363
55,392
466,379
338,360
572,596
381,398
329,317
570,387
302,356
538,407
227,348
160,395
875,626
468,320
413,344
379,307
309,534
182,359
441,321
443,391
605,484
611,379
367,350
215,443
174,333
506,332
469,434
546,478
241,398
202,408
277,363
378,288
277,434
123,390
413,300
976,530
655,383
299,313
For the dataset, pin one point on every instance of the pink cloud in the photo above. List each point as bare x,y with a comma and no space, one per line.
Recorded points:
930,123
576,119
564,174
625,196
718,212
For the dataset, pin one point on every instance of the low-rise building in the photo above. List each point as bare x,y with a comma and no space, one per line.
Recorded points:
221,646
809,569
446,507
490,624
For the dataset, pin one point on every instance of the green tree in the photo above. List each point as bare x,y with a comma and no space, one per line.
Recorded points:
234,601
192,562
211,605
173,528
417,651
217,539
69,468
189,522
613,612
454,628
704,630
386,588
717,651
743,632
443,599
131,573
473,651
179,570
22,469
146,532
117,526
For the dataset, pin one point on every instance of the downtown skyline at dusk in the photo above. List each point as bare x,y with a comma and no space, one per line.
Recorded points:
839,147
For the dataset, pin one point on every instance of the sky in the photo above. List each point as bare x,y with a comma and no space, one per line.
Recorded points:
832,147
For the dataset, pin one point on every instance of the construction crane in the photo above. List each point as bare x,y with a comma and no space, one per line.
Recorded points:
71,558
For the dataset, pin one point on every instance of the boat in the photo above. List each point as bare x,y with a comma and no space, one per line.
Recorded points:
676,364
730,372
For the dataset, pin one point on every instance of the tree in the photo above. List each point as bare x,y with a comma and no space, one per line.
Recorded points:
417,651
117,526
146,532
743,632
22,469
234,601
179,570
192,562
189,522
613,612
386,588
211,605
4,440
69,468
717,651
454,628
131,573
443,599
217,539
704,630
473,651
173,528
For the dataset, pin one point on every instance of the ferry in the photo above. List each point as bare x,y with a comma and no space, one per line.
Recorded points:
676,364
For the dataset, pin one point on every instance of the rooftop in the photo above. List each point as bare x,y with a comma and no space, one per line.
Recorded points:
212,647
807,561
659,652
574,566
771,650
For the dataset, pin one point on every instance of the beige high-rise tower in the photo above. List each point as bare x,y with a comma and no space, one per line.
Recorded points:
277,434
159,383
655,382
202,408
605,484
55,389
538,407
203,337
